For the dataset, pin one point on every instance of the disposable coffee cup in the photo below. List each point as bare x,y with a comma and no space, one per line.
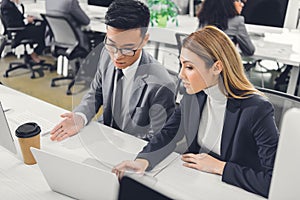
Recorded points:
29,136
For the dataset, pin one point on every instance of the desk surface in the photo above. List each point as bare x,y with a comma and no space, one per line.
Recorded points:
96,143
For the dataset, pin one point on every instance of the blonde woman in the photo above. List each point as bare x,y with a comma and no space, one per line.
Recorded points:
229,125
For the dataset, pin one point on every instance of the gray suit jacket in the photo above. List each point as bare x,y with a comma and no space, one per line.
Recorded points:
72,10
151,101
237,28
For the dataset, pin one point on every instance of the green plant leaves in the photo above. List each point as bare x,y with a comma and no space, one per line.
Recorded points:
160,8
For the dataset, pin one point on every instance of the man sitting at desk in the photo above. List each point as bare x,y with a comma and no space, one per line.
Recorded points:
13,16
136,92
72,10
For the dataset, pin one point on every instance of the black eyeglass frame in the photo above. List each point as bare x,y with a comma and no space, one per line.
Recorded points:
121,49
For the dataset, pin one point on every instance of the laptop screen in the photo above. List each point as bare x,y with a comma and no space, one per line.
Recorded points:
6,139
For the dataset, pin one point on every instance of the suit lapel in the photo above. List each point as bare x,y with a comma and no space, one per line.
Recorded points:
196,107
110,74
136,96
138,85
232,114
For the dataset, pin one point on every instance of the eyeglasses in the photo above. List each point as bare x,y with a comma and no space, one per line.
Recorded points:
124,51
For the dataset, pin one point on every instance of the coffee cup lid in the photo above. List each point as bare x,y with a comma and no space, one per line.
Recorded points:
28,130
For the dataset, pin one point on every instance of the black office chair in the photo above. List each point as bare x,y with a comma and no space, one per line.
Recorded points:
65,43
281,102
9,36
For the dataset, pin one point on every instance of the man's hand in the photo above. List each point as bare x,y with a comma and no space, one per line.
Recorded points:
71,125
137,166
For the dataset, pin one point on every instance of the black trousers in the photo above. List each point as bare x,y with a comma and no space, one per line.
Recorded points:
35,32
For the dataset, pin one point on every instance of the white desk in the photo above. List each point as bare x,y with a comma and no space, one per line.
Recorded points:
95,143
282,45
193,184
18,180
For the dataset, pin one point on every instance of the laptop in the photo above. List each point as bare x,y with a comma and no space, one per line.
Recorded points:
286,177
6,139
74,179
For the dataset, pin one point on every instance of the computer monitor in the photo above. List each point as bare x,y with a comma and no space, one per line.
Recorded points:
102,3
265,12
97,8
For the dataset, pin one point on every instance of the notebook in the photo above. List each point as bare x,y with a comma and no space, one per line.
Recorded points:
75,179
286,177
6,139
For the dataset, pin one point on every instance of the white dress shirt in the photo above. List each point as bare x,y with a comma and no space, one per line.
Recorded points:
127,82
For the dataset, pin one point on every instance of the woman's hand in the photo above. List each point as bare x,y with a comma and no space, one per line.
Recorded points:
137,166
71,125
203,162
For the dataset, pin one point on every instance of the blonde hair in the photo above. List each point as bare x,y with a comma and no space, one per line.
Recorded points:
211,45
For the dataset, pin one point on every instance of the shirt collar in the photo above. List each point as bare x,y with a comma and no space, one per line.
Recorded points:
129,71
215,92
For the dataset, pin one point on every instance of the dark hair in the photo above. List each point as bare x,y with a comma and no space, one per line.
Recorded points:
128,14
216,13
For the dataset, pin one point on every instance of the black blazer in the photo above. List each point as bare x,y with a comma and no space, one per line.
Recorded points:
248,144
11,14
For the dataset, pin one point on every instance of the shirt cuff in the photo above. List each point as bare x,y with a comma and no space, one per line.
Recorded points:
83,116
25,21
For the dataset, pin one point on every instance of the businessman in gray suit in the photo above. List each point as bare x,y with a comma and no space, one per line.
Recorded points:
136,92
72,10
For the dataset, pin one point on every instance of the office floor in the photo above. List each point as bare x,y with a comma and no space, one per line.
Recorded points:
40,87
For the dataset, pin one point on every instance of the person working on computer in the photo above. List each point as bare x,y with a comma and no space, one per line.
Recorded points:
13,16
226,16
228,125
136,92
72,10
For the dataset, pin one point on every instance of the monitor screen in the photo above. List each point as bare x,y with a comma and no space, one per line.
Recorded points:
102,3
265,12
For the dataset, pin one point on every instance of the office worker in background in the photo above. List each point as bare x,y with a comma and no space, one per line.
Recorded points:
147,99
229,125
72,10
13,15
226,16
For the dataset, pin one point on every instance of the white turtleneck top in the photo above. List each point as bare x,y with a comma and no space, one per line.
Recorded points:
212,119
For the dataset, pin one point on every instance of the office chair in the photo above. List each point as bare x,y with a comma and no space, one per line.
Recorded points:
9,36
65,43
281,102
87,70
179,38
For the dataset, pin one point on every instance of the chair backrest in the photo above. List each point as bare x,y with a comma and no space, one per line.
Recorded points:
281,102
64,33
179,38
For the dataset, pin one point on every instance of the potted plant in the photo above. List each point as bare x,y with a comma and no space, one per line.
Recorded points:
162,11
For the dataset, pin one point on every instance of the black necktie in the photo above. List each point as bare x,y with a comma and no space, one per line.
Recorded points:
117,107
119,74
